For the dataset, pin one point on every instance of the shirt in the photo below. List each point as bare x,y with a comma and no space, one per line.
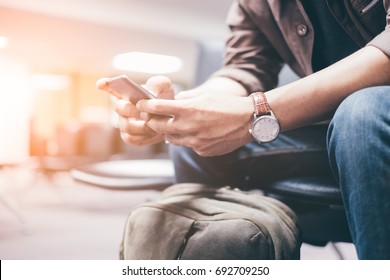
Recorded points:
265,34
331,42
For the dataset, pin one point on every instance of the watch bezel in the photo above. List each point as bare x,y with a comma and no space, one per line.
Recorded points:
257,119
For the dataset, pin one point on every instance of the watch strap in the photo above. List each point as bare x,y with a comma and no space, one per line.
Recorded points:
260,103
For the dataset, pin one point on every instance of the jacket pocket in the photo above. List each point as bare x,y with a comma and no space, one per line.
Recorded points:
371,14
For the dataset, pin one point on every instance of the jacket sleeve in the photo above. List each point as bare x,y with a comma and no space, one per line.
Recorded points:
382,40
249,58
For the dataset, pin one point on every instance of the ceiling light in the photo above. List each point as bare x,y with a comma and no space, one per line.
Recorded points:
3,42
50,82
147,63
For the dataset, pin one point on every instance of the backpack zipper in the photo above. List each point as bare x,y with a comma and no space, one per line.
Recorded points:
183,245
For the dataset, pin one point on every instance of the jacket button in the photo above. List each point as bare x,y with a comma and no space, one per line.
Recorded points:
302,30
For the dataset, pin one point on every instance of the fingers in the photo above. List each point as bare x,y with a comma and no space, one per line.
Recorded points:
187,94
161,86
191,141
126,109
164,125
160,107
140,140
136,132
133,126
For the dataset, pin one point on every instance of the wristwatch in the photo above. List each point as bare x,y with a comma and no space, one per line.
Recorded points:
265,127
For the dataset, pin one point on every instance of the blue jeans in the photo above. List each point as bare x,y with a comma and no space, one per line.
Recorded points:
355,148
359,153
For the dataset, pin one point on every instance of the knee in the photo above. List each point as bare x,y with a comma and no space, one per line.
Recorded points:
360,126
360,116
190,167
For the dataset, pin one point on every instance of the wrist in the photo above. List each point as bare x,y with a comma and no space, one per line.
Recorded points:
260,103
265,127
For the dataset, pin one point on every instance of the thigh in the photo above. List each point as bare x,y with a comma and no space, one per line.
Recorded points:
300,152
359,152
296,153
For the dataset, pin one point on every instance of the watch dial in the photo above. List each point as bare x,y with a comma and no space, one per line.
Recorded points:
266,129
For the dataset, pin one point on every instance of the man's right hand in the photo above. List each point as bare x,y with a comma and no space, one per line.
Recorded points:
132,125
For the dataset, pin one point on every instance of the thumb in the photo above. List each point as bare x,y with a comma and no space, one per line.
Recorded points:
161,86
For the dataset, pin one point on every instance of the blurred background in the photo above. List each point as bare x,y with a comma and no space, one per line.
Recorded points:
52,53
53,119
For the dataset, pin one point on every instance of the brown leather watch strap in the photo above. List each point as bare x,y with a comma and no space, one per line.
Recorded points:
260,103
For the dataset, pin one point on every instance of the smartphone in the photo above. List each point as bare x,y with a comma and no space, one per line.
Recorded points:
123,87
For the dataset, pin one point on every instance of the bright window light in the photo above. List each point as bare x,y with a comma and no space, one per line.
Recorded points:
3,42
15,111
147,63
50,82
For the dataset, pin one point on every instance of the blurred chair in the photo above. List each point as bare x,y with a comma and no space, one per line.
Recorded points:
8,201
133,174
318,204
75,144
110,163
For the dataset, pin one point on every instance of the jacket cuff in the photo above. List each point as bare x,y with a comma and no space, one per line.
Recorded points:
382,41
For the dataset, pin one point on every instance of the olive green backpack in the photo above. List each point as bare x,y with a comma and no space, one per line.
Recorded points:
193,221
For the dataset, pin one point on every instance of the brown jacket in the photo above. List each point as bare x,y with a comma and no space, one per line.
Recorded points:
265,34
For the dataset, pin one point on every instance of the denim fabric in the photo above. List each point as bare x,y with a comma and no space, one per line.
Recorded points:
301,152
359,152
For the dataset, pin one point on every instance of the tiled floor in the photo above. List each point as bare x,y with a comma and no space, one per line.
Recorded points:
68,220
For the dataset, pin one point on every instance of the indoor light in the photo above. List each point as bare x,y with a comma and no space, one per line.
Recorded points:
147,63
15,111
50,82
3,42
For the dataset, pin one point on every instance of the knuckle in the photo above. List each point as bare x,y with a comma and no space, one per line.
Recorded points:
156,106
132,140
126,109
200,152
201,147
162,81
127,127
126,138
194,144
153,125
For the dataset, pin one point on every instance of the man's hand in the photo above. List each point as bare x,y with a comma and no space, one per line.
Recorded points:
132,124
206,119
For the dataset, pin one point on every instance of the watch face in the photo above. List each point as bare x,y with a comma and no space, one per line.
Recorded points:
265,129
